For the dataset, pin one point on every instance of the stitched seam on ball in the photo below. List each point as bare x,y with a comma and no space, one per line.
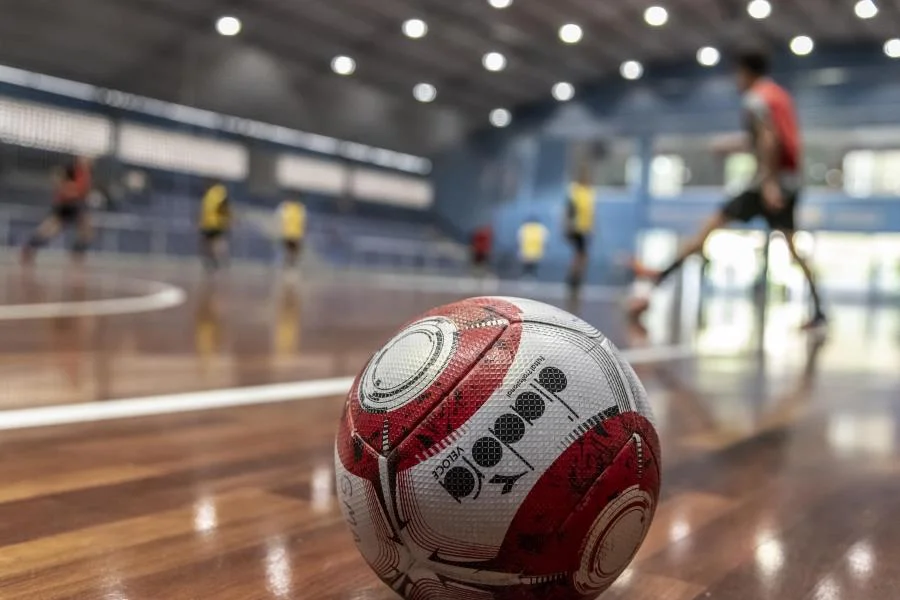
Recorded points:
437,405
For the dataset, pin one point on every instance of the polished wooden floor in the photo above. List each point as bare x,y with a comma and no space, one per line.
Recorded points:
781,472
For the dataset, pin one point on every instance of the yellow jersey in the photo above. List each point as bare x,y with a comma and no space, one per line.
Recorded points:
581,208
532,240
293,221
214,213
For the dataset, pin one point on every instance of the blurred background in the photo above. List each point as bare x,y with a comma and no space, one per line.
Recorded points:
406,127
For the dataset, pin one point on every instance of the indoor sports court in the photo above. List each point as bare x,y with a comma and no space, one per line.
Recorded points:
485,300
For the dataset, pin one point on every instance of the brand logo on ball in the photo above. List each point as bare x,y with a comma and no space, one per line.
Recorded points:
507,431
408,364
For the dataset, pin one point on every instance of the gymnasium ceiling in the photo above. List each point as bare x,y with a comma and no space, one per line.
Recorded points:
278,68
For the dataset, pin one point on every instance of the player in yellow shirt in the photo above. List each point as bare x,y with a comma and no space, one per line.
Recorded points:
532,242
215,222
580,225
292,215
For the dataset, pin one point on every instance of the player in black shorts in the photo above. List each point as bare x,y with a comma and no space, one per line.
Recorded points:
69,210
774,193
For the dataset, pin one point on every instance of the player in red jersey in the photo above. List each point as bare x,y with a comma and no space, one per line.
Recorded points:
69,208
774,136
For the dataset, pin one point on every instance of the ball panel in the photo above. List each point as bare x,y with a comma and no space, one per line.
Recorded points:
532,311
642,404
369,525
417,368
562,491
460,496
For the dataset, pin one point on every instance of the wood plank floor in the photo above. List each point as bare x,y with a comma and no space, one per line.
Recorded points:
781,479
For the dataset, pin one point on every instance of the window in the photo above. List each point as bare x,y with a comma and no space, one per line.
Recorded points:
617,165
388,188
310,174
667,176
39,126
701,166
739,171
872,173
183,153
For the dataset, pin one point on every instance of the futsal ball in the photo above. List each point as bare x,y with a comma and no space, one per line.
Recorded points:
498,449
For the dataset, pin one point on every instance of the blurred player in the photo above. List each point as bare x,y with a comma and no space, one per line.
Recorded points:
292,215
482,241
774,137
580,225
532,241
69,208
215,221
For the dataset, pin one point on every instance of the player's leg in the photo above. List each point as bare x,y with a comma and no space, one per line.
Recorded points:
208,249
693,246
222,248
579,261
742,207
46,231
291,253
818,319
84,234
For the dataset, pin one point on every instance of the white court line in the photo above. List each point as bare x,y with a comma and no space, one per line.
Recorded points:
89,412
165,296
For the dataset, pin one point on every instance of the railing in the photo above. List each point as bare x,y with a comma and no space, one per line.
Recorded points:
129,234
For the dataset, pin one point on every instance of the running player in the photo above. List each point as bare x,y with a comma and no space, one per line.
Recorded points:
69,208
215,221
293,229
532,242
580,225
774,137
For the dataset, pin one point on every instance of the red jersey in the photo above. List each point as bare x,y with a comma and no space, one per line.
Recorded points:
482,240
770,103
76,185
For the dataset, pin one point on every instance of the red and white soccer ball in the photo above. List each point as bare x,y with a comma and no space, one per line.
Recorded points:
498,449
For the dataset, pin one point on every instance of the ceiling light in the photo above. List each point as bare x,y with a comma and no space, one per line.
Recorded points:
570,33
424,92
415,28
892,48
500,117
631,69
759,9
343,65
802,45
228,26
563,91
494,61
656,16
708,56
500,3
865,9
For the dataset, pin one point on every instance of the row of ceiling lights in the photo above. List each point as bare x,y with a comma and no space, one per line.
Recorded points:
572,33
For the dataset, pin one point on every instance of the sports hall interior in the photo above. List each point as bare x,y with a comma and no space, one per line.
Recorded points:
167,429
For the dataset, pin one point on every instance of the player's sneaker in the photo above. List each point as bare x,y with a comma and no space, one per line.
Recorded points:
818,322
643,272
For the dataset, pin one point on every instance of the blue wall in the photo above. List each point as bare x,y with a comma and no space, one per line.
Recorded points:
835,88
